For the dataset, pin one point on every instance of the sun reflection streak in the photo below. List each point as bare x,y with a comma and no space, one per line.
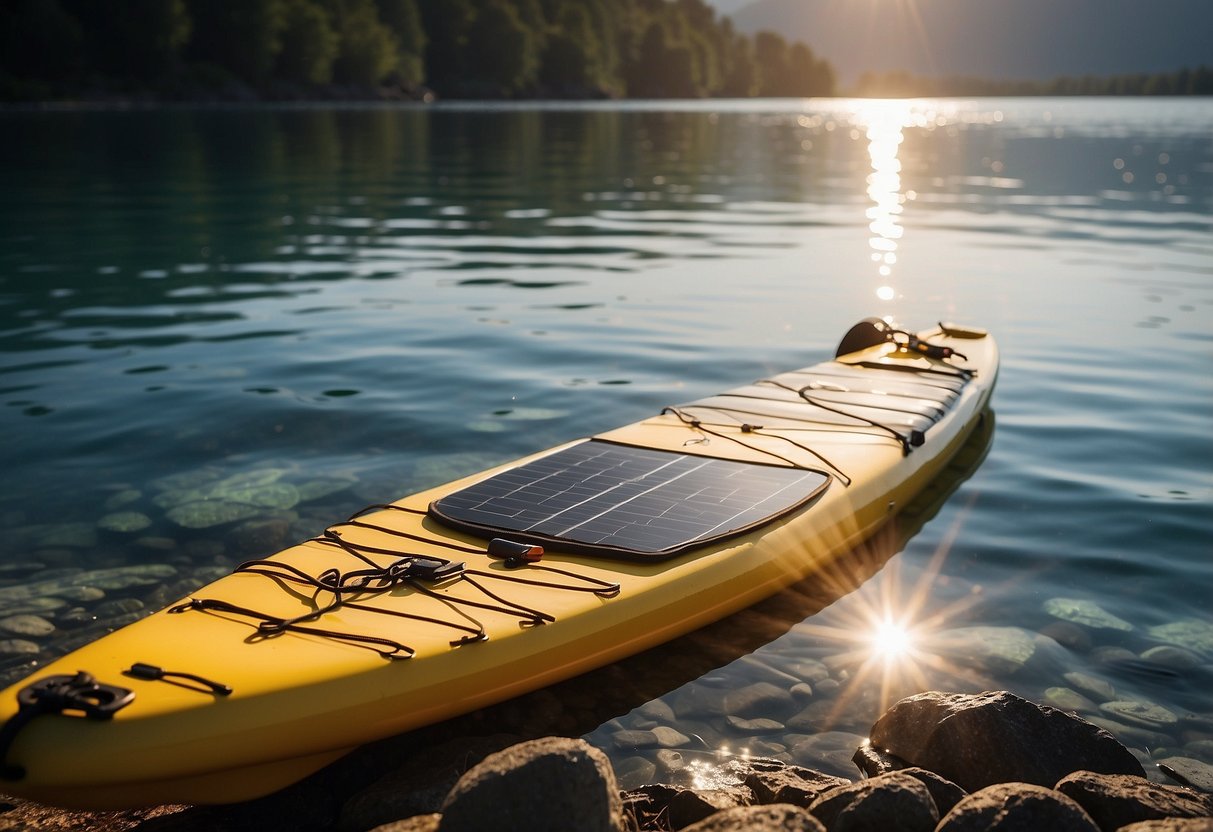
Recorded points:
885,122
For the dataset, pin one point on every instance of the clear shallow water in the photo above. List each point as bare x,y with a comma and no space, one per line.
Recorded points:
350,304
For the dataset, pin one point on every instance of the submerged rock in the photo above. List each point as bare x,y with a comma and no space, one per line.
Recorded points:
1087,613
1003,650
1190,772
206,513
124,522
26,625
1139,712
1193,633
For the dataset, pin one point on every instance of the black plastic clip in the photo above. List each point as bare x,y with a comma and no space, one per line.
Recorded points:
434,569
80,694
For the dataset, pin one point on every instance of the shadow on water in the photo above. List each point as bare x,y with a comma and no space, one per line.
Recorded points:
418,760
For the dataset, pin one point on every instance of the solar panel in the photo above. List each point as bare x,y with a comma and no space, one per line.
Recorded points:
597,497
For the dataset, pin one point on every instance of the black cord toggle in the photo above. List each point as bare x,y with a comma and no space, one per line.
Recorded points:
152,673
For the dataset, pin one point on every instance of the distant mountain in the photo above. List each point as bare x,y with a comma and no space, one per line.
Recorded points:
996,39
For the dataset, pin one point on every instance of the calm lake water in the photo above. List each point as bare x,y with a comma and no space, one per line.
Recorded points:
351,304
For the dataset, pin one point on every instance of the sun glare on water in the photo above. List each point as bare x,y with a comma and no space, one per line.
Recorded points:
891,640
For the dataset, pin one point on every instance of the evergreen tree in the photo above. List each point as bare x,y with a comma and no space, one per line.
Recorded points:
501,55
367,50
403,18
309,44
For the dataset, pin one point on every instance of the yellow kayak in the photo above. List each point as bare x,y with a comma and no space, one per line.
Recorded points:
482,589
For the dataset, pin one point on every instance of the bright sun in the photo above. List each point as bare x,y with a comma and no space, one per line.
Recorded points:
891,640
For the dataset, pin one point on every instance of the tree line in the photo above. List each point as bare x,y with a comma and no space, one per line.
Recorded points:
1185,81
456,48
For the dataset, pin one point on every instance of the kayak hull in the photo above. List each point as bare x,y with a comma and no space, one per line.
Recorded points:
300,700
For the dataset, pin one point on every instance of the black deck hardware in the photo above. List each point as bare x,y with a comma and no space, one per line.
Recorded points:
61,694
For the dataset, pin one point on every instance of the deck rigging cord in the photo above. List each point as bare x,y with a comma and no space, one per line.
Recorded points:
707,427
418,572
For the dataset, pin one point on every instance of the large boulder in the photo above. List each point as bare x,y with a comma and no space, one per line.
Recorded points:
779,817
895,802
979,740
1116,800
547,784
1016,807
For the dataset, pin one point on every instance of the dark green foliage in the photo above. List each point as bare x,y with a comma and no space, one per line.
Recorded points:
309,44
459,48
367,50
403,18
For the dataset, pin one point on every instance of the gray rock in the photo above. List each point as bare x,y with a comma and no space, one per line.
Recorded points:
1099,689
670,738
1068,634
1195,634
829,751
759,699
1194,774
417,823
18,647
874,762
1116,800
85,585
26,625
634,739
1171,825
670,762
1016,807
896,802
775,782
1171,657
1140,712
1087,613
202,514
801,690
420,787
945,793
635,771
537,785
1131,735
1001,650
124,522
658,710
1201,749
1067,699
674,807
775,818
760,725
978,740
809,671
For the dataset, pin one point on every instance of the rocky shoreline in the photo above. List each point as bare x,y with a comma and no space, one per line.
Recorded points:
942,762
